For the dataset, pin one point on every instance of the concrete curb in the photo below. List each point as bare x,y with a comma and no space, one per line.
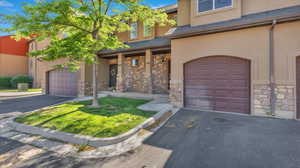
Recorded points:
129,144
87,140
19,94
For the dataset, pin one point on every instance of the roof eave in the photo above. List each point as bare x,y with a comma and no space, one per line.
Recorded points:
243,24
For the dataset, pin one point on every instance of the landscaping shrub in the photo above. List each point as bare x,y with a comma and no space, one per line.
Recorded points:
21,79
5,82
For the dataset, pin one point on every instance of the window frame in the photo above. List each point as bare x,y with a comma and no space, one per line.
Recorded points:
137,31
150,32
214,7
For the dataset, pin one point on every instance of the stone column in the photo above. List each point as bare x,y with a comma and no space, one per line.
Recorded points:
148,72
120,75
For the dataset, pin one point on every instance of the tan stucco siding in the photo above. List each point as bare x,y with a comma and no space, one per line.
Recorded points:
255,6
11,65
184,12
251,44
287,48
188,8
42,68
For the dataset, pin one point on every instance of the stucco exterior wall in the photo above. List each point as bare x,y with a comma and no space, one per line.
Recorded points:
188,14
251,44
42,68
184,12
11,65
255,6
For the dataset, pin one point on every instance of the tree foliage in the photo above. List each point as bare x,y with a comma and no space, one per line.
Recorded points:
78,29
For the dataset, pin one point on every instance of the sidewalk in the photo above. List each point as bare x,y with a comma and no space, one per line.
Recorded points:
18,94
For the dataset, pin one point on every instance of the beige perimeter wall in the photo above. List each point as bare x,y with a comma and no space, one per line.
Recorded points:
11,65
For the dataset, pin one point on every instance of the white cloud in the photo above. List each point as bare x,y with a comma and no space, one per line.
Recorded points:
4,3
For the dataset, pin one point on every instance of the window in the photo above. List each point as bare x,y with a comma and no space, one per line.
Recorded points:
207,5
134,62
134,31
147,30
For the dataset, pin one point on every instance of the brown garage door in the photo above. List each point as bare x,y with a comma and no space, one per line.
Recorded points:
62,83
298,86
219,83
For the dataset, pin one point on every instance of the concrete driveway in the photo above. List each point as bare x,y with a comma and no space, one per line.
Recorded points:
195,139
191,139
27,104
213,140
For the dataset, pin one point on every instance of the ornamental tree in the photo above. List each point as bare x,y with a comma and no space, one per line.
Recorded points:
79,29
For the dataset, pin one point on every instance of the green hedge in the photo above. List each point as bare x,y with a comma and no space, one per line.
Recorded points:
21,79
5,82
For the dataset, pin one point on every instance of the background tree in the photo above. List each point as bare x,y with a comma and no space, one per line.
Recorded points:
79,29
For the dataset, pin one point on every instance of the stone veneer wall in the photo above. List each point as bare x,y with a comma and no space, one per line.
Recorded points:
135,79
285,101
261,98
176,93
285,106
160,73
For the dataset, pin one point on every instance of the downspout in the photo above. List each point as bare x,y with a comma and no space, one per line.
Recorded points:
271,70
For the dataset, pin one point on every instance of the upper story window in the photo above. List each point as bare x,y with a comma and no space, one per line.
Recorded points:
134,31
147,30
208,5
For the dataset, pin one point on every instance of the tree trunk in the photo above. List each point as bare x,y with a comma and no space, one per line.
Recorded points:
95,83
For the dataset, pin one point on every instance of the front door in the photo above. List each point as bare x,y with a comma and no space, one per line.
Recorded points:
113,71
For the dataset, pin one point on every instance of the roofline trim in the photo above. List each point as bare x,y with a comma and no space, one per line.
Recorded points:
243,24
134,49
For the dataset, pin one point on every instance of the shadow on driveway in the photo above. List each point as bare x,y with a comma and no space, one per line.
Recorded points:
14,154
29,103
214,140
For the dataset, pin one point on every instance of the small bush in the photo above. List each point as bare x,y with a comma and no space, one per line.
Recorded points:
21,79
5,82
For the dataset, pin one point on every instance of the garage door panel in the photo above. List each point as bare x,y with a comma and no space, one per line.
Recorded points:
62,83
231,105
205,103
199,92
218,83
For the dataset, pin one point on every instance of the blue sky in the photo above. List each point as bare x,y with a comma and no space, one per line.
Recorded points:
14,6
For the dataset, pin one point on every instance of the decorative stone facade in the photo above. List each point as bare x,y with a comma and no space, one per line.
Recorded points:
176,93
150,75
160,73
261,98
285,104
120,75
285,101
82,88
134,76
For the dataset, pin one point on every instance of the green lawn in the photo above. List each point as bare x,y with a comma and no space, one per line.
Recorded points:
114,117
15,90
